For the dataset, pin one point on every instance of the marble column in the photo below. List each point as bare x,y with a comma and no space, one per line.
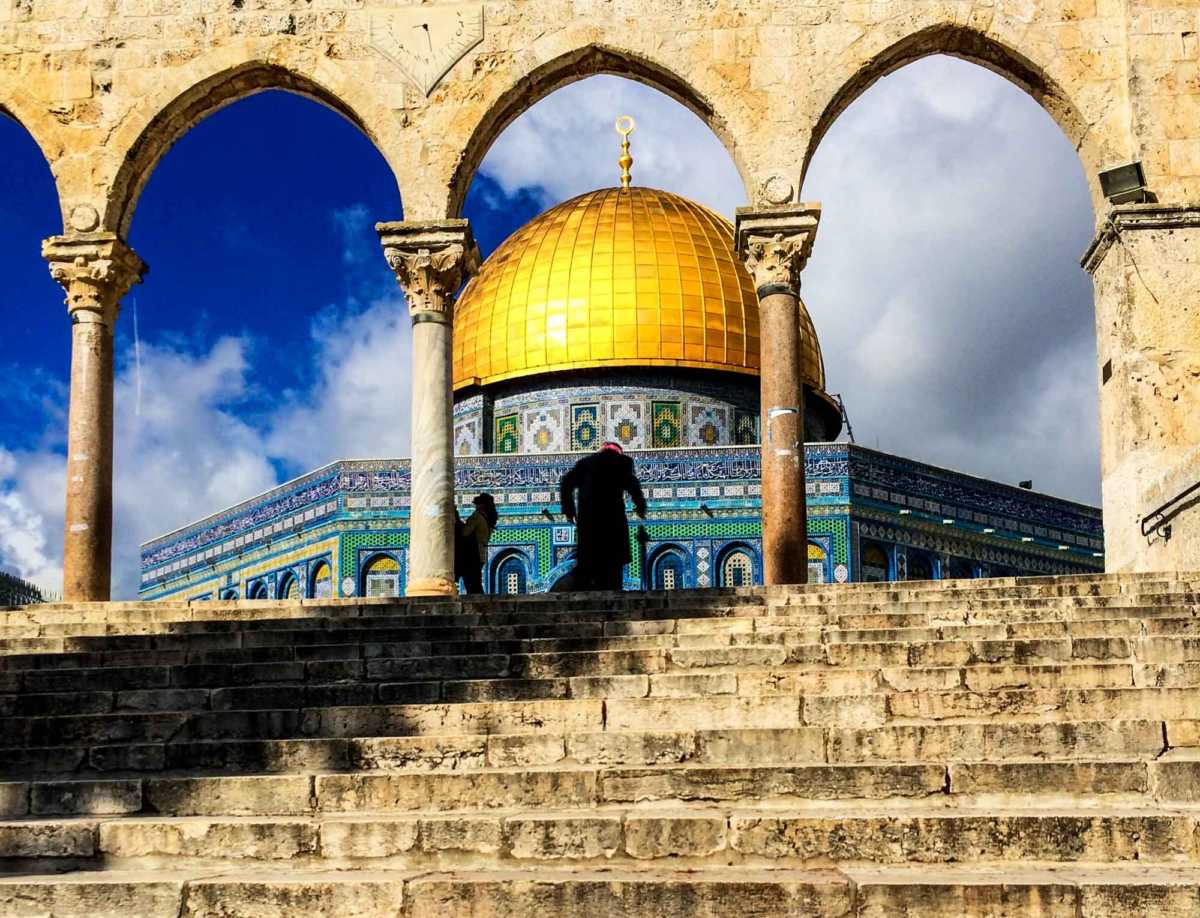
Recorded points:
431,260
96,270
775,243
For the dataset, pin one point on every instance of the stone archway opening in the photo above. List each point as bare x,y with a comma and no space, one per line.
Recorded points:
958,324
582,64
33,412
562,143
197,102
266,299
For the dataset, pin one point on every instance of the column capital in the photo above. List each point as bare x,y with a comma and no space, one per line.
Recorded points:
775,242
431,260
96,270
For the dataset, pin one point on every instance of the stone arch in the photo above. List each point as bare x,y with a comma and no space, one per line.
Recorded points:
570,67
203,89
849,81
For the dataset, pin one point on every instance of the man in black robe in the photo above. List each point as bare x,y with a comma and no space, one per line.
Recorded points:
601,527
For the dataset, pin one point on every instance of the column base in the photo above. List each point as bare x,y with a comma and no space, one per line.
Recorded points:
431,586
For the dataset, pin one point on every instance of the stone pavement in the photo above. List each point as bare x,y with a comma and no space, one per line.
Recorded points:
979,748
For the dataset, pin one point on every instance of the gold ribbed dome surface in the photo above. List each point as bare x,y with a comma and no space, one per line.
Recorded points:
631,277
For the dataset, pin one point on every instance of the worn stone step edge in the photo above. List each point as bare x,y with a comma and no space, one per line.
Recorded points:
348,683
1029,890
1165,648
616,715
745,834
952,742
1152,781
16,638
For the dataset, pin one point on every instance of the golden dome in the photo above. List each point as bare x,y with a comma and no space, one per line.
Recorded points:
614,278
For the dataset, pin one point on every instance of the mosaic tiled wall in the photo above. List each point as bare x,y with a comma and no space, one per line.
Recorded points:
701,499
585,427
582,417
508,434
665,424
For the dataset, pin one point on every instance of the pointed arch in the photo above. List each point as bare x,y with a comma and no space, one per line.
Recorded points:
570,67
200,90
845,84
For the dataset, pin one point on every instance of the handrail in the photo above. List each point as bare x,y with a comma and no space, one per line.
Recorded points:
1158,520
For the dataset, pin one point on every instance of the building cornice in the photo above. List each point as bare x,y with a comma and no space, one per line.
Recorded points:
1130,217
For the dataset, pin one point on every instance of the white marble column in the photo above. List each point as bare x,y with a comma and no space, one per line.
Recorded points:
95,270
431,260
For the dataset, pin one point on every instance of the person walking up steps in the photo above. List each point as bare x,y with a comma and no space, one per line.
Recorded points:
601,481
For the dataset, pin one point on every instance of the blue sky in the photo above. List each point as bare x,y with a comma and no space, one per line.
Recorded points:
944,286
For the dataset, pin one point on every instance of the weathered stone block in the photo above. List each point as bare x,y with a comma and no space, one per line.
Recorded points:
555,838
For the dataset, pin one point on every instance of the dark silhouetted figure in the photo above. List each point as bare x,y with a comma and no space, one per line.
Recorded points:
471,542
602,529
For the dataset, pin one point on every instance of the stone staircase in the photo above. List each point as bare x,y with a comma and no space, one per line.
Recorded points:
990,748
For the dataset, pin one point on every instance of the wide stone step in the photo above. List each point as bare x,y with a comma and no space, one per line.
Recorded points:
846,833
1174,779
356,682
136,633
924,891
536,659
946,742
613,714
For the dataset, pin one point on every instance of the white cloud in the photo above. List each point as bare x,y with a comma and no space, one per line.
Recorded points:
31,513
566,145
359,405
192,444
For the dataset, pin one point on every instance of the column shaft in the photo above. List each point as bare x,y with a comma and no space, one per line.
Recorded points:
431,261
784,520
95,269
431,517
775,243
87,549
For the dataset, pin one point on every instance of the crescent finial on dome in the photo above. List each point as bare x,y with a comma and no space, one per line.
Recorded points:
625,126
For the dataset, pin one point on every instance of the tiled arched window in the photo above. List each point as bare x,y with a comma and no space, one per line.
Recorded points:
737,569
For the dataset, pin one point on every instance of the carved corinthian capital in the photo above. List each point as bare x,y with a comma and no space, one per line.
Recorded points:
95,270
431,261
775,243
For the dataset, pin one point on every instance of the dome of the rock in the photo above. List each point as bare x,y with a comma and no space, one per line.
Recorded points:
632,277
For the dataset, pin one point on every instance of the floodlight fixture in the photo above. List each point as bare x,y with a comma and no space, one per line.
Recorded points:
1026,485
905,512
988,529
1124,184
947,522
1026,538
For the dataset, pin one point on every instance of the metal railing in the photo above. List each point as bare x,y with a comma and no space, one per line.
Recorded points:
1159,520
